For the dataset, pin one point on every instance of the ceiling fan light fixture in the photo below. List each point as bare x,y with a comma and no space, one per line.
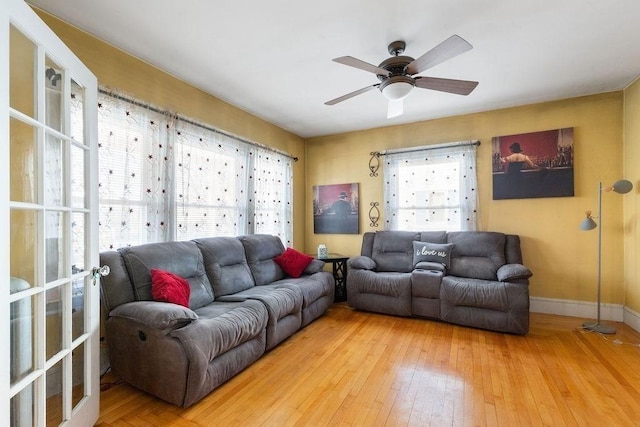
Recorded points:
396,90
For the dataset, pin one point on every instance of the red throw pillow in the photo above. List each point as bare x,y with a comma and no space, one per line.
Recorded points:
293,262
169,287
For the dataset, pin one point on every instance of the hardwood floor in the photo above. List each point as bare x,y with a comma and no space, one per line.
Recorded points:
353,368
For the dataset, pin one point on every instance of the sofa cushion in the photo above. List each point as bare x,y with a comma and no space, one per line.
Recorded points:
260,250
284,309
169,287
221,326
181,258
293,262
225,264
393,250
476,254
487,294
432,252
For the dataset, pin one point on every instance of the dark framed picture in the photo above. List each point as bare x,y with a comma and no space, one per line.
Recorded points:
530,165
335,209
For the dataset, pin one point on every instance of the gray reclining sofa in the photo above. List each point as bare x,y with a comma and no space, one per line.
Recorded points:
241,304
470,278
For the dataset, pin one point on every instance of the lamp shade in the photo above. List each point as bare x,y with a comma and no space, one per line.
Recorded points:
588,224
397,90
622,186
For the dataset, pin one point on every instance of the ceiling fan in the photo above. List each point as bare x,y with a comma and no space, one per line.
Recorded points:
397,74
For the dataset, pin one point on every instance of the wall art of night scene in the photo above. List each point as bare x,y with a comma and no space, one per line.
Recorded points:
531,165
335,209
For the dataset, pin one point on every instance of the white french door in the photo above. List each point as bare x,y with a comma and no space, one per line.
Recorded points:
49,319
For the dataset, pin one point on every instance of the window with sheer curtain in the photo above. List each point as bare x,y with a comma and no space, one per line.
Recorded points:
163,177
431,188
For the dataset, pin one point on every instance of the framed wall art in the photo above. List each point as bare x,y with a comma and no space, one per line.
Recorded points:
335,209
531,165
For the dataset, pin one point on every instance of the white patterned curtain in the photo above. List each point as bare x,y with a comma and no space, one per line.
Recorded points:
431,188
163,177
211,183
135,155
272,193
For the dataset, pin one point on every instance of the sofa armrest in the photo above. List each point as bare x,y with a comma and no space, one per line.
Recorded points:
513,272
362,263
160,315
428,265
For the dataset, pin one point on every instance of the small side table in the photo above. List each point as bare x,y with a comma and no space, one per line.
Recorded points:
339,264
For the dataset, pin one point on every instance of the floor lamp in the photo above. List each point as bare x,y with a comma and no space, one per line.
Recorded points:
621,187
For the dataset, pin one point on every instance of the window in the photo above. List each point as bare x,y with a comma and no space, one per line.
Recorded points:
164,177
210,183
431,188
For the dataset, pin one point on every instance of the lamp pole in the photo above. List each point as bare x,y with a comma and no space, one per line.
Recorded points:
597,326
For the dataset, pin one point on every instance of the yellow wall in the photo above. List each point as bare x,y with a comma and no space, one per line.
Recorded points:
128,75
632,203
562,257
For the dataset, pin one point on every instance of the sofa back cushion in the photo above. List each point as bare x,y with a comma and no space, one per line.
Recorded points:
181,258
433,236
260,250
225,264
476,254
512,251
367,244
393,250
116,288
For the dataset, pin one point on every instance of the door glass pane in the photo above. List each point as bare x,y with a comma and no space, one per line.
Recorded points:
55,246
53,95
77,307
22,407
22,333
54,395
77,366
53,171
22,65
78,199
23,162
77,242
77,111
54,321
23,224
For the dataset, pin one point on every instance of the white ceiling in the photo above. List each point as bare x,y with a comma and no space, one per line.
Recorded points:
273,58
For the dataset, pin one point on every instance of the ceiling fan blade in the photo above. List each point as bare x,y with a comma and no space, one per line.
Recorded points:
395,108
460,87
451,47
352,94
357,63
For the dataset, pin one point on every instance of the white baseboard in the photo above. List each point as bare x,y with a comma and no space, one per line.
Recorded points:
632,318
586,309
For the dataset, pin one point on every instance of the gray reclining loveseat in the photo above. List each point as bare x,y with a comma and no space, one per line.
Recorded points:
468,278
241,304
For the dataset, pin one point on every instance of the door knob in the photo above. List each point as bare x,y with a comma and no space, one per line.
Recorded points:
98,272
